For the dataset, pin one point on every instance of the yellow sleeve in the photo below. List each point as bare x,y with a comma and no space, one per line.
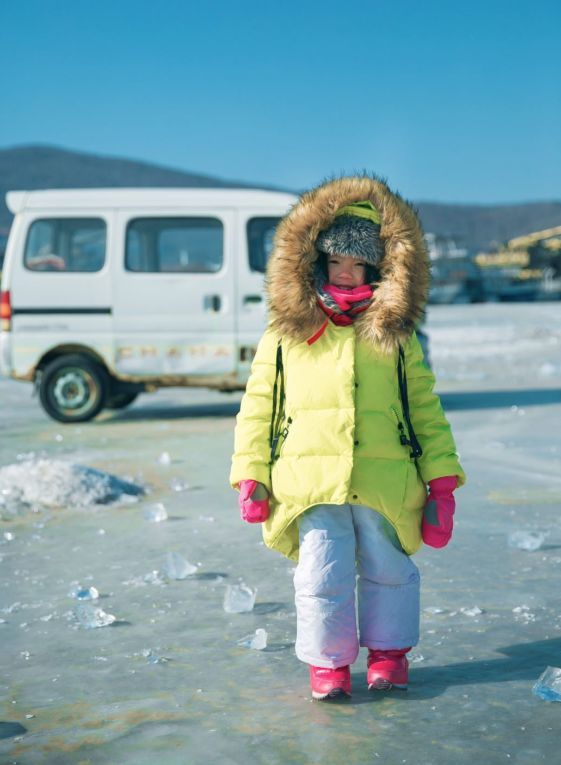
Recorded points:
431,427
251,456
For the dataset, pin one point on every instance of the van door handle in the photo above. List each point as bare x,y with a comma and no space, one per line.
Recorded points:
247,299
212,303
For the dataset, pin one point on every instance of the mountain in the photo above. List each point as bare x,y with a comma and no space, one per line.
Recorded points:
48,167
479,227
40,167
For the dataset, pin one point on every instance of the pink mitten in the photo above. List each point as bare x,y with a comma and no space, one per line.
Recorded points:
253,510
438,515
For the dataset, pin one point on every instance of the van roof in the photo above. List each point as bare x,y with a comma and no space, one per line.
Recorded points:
17,201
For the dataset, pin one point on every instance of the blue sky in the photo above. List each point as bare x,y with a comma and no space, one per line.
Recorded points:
454,102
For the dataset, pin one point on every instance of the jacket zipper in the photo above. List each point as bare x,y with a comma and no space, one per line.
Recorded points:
282,435
403,440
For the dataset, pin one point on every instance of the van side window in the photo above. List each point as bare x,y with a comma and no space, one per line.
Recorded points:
260,233
174,245
65,244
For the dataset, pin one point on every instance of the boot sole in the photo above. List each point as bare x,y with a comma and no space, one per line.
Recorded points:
380,684
334,695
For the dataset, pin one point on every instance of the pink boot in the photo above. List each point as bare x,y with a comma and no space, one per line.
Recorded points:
330,683
387,669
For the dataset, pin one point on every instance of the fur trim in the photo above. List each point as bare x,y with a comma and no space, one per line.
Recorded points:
401,293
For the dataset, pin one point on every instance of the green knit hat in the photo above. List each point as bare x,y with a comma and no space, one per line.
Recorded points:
362,210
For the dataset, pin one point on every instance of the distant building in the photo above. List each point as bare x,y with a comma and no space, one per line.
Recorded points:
455,278
524,268
443,247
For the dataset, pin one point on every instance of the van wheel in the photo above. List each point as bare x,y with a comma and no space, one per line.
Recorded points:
121,400
73,388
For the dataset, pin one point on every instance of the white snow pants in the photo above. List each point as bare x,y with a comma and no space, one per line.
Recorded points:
337,542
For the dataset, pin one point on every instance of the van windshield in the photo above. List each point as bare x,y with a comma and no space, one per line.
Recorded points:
260,233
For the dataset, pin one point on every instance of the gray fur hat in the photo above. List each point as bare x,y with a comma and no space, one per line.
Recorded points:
353,236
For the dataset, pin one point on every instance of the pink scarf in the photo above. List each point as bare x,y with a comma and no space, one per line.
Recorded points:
349,302
341,306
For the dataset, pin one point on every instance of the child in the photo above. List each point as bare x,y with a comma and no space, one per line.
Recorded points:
339,432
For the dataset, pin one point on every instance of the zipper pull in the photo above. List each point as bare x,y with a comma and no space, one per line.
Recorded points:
285,431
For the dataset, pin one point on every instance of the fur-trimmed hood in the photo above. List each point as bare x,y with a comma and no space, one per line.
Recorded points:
401,293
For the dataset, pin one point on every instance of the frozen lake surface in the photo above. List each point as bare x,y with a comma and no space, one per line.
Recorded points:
171,678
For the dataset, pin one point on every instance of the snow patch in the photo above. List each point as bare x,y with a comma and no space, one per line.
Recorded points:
35,484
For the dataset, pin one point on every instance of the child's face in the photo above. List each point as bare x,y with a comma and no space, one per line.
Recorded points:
345,272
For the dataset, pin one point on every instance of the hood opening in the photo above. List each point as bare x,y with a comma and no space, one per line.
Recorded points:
401,280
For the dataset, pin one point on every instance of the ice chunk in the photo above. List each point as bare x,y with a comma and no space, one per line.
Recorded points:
84,593
156,513
90,617
176,567
34,484
176,484
473,611
13,608
548,685
523,614
164,458
239,598
8,536
527,540
257,641
434,610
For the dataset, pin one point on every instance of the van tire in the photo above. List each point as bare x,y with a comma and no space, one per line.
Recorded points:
121,400
77,381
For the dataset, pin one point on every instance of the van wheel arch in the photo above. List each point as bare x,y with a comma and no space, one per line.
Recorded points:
66,350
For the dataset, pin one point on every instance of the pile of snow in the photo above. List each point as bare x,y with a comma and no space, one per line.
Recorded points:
40,483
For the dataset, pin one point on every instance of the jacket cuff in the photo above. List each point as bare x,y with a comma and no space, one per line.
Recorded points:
442,470
251,471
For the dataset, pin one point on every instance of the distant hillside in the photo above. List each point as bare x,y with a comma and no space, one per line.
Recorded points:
41,167
480,226
47,167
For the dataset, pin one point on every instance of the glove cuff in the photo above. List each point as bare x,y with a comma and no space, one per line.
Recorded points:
445,485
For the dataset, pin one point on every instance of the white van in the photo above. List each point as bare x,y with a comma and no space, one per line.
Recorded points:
110,292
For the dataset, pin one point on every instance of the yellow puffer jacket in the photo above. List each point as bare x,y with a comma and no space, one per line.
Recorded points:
342,408
342,443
